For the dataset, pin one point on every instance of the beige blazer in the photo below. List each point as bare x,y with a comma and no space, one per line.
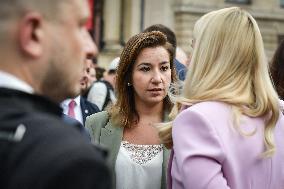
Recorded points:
109,135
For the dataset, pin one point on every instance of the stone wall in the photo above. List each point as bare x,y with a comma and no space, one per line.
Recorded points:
268,14
125,18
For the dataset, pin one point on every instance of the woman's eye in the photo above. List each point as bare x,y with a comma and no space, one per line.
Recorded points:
164,68
145,69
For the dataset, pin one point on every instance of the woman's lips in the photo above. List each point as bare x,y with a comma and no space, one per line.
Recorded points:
155,89
155,92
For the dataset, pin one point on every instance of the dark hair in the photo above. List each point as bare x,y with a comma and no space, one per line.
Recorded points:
277,70
99,72
124,111
171,37
112,72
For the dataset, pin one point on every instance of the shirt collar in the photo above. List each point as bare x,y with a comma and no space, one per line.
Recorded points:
67,101
10,81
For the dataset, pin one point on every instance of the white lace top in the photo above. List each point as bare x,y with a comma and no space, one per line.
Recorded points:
139,166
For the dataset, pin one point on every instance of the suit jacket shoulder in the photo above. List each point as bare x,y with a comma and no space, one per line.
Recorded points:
95,122
105,133
48,145
57,149
88,108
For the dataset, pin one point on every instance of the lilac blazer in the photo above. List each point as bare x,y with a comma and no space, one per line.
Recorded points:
210,154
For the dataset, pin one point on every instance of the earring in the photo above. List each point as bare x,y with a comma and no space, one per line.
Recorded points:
128,84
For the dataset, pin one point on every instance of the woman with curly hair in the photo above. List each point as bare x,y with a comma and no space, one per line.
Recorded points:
145,72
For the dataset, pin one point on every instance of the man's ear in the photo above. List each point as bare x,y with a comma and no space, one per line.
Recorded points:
31,34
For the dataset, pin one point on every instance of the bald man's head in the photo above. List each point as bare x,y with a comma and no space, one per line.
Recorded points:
45,43
10,9
13,10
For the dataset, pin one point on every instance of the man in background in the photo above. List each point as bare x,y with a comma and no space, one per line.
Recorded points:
41,61
79,108
89,75
102,92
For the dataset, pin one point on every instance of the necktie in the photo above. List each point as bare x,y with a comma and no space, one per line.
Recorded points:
71,108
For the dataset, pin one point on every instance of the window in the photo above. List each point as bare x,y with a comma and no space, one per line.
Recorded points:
241,1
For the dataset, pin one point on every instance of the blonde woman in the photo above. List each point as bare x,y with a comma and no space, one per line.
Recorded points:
137,158
230,132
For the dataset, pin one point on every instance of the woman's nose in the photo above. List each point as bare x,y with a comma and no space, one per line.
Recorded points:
156,78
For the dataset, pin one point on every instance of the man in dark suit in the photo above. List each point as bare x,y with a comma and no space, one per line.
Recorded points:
88,108
81,112
79,108
82,108
42,52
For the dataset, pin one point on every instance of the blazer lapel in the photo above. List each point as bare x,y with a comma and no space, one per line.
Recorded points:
111,136
84,109
166,154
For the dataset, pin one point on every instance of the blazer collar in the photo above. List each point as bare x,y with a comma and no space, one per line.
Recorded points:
111,137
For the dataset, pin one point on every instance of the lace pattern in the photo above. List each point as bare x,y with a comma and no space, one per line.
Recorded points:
141,154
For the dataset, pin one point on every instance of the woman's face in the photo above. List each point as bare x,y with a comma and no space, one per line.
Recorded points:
151,76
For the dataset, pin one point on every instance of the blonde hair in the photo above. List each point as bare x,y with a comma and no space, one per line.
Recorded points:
229,65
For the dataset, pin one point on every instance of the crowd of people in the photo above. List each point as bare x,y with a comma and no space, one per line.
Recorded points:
155,119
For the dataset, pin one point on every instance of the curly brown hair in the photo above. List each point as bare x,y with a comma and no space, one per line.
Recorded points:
277,70
123,112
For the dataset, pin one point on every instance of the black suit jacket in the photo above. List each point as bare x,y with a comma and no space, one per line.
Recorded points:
48,154
87,108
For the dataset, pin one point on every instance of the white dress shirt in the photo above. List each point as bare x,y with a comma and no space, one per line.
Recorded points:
77,109
12,82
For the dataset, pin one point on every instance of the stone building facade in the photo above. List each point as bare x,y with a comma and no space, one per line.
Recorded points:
124,18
